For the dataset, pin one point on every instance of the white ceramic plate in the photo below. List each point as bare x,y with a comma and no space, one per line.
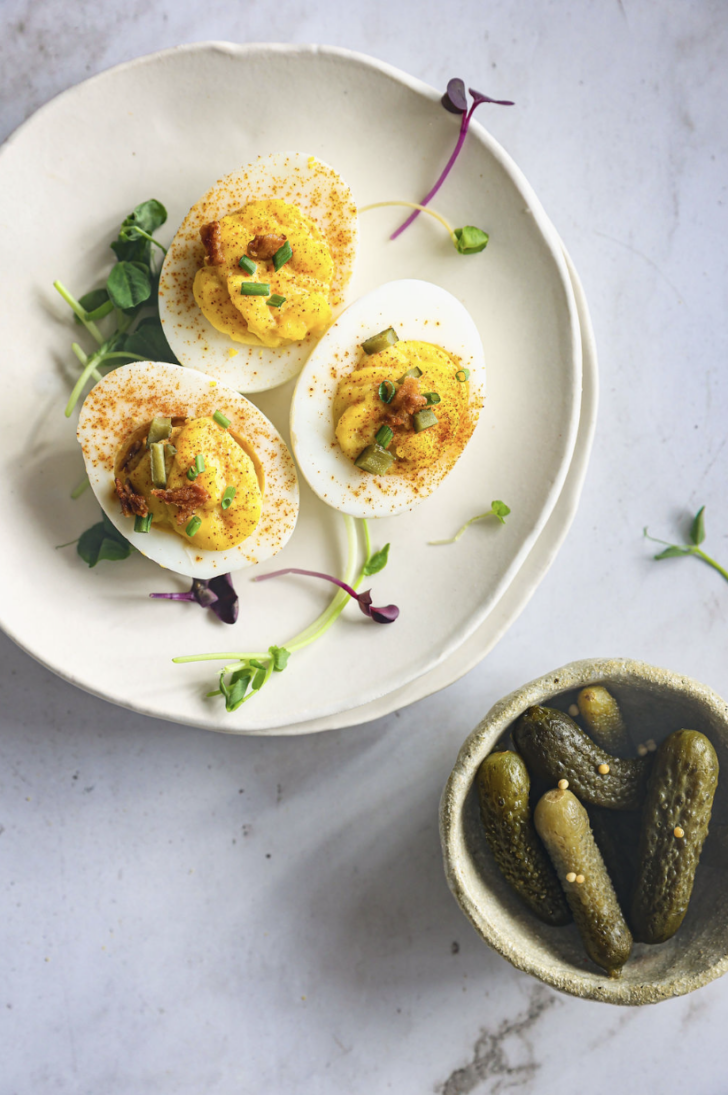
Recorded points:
96,628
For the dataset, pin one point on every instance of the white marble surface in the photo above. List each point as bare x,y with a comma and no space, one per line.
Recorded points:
187,913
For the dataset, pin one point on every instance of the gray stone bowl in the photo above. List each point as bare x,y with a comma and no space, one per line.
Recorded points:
654,702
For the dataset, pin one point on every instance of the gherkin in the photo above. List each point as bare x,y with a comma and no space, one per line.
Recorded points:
503,786
674,825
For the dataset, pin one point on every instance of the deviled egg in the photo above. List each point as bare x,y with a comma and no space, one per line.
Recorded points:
189,470
258,270
388,400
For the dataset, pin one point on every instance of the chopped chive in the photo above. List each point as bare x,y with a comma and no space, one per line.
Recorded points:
432,398
462,375
192,474
228,497
386,391
194,526
199,463
384,436
221,419
247,264
143,524
282,256
275,300
254,289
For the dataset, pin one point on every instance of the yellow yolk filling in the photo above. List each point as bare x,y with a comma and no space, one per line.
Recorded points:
227,464
305,280
359,411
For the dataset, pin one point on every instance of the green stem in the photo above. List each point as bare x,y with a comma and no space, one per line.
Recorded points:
132,233
412,205
78,387
78,491
711,562
80,312
83,358
322,623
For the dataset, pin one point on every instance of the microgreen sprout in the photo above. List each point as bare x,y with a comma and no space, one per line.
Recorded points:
246,672
696,535
454,100
499,510
466,241
217,594
130,291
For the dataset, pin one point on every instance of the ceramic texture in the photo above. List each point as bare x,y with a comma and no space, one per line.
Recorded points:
654,702
519,292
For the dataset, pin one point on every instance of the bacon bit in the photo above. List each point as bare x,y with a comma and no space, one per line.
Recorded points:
210,236
132,504
187,498
407,401
263,248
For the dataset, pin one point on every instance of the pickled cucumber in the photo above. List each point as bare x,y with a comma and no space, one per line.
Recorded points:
674,825
503,785
555,748
603,719
563,825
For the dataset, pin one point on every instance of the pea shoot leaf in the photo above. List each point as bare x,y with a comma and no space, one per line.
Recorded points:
129,284
697,529
149,216
96,304
149,341
280,658
470,240
103,541
377,562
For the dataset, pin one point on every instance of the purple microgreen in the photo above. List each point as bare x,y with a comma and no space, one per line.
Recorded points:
245,673
216,593
498,509
386,615
455,101
697,535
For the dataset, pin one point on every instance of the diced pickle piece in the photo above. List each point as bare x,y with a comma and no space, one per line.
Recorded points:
159,430
377,343
159,468
375,459
424,419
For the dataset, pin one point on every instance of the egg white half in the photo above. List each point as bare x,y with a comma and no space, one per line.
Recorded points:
296,178
134,394
416,310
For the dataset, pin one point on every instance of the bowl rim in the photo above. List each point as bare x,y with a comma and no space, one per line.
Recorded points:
479,743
